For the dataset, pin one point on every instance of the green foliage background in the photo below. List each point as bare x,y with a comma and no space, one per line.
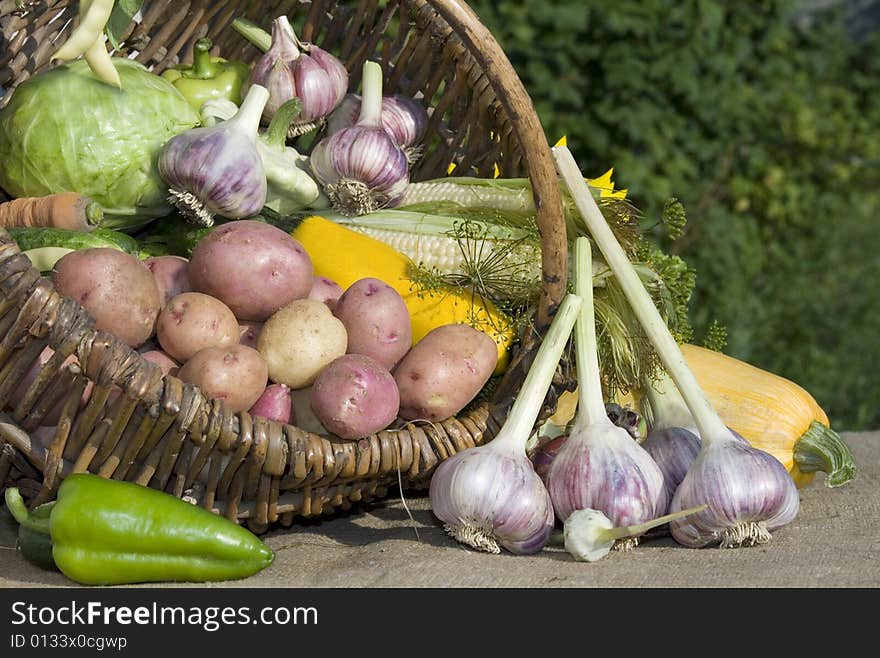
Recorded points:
764,122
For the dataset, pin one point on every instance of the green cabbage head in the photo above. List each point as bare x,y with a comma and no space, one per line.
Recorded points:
64,130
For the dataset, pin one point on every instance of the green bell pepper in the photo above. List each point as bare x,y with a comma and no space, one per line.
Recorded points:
111,532
208,77
33,544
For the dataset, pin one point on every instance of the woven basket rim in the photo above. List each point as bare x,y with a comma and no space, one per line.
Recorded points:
270,449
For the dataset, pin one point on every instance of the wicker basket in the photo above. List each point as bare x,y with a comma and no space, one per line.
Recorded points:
164,433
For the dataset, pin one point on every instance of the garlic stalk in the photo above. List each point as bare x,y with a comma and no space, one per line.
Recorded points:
673,439
217,170
589,535
362,168
489,497
600,466
748,491
291,186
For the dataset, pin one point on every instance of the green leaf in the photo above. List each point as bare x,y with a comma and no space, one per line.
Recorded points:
120,17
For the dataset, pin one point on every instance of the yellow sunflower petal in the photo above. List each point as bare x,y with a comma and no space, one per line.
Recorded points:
606,186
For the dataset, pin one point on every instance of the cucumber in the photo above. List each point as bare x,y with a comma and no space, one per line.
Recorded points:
35,238
127,243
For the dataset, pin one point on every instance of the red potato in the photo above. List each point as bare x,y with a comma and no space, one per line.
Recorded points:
114,287
248,332
253,267
355,396
168,365
275,403
236,374
171,274
444,371
192,321
376,319
325,290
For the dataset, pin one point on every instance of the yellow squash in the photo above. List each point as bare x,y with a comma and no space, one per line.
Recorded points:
345,255
773,414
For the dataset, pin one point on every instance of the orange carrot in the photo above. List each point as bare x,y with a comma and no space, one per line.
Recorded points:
68,210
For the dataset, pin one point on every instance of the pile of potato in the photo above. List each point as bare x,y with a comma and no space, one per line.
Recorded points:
246,320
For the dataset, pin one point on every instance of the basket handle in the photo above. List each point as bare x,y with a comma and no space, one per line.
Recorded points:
540,165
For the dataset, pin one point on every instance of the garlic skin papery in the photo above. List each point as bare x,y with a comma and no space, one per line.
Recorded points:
589,535
402,117
362,168
674,450
489,497
290,186
547,447
605,469
673,439
748,492
217,170
600,466
293,69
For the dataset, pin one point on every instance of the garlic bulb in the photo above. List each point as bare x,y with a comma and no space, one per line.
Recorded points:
674,451
600,466
589,535
362,168
291,68
402,117
489,497
747,491
673,438
290,186
547,447
217,170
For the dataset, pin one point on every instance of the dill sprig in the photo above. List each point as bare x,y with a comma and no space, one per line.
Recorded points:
502,271
716,336
673,218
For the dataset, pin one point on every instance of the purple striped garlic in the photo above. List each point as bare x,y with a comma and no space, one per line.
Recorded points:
600,466
218,170
489,497
747,491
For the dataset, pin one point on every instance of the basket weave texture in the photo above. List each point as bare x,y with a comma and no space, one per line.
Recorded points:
164,433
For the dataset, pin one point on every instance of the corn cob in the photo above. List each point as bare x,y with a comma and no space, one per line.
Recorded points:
505,261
